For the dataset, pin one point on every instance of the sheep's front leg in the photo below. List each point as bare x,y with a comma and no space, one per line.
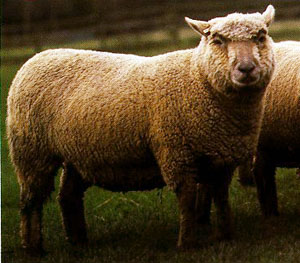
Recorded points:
223,210
246,177
186,196
71,202
179,172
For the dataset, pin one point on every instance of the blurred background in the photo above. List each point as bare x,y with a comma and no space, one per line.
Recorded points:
130,26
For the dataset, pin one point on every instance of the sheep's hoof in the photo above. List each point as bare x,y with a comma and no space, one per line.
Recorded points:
77,241
37,252
270,212
270,215
187,245
270,219
246,181
223,236
270,224
203,221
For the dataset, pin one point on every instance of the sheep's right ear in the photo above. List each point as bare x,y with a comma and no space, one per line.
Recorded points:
200,27
269,15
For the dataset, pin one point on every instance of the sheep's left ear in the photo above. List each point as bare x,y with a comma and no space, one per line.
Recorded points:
269,15
200,27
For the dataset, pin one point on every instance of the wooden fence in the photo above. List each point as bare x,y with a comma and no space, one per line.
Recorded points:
165,15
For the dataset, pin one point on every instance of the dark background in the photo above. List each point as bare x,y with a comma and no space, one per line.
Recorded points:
39,22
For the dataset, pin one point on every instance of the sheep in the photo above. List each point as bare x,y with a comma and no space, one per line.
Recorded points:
279,141
126,122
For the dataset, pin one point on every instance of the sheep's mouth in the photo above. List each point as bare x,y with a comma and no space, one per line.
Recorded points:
241,80
245,82
245,86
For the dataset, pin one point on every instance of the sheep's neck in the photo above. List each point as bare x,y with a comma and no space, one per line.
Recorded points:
244,110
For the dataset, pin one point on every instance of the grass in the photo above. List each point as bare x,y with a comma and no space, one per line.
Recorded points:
143,226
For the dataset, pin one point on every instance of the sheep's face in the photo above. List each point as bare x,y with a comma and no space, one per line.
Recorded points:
237,50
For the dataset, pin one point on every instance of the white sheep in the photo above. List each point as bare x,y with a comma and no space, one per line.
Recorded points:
125,122
279,141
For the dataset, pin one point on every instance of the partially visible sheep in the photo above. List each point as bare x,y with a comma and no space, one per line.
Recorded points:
125,122
279,142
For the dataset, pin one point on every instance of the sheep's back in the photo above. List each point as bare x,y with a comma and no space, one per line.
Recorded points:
67,101
93,109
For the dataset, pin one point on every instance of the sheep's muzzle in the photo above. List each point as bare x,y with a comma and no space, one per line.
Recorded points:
245,71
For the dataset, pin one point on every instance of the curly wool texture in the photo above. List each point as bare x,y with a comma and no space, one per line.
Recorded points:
279,141
105,114
125,122
114,116
280,135
237,26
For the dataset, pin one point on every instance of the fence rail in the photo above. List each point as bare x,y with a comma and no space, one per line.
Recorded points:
167,16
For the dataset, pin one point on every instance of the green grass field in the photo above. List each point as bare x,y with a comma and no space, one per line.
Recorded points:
143,226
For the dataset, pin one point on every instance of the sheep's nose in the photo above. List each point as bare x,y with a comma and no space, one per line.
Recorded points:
246,67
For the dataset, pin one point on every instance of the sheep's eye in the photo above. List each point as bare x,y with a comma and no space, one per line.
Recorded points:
218,42
261,39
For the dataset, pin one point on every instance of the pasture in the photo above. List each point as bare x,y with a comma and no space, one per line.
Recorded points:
143,226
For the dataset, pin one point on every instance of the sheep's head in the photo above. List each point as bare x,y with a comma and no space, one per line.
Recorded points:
237,50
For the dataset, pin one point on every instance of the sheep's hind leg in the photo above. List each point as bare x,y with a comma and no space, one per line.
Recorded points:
35,188
71,194
224,217
203,204
264,173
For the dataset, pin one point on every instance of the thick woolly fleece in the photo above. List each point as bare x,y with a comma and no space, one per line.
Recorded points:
127,122
280,134
279,141
108,113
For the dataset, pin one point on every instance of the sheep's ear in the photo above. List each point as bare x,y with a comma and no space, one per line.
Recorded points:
199,26
269,15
